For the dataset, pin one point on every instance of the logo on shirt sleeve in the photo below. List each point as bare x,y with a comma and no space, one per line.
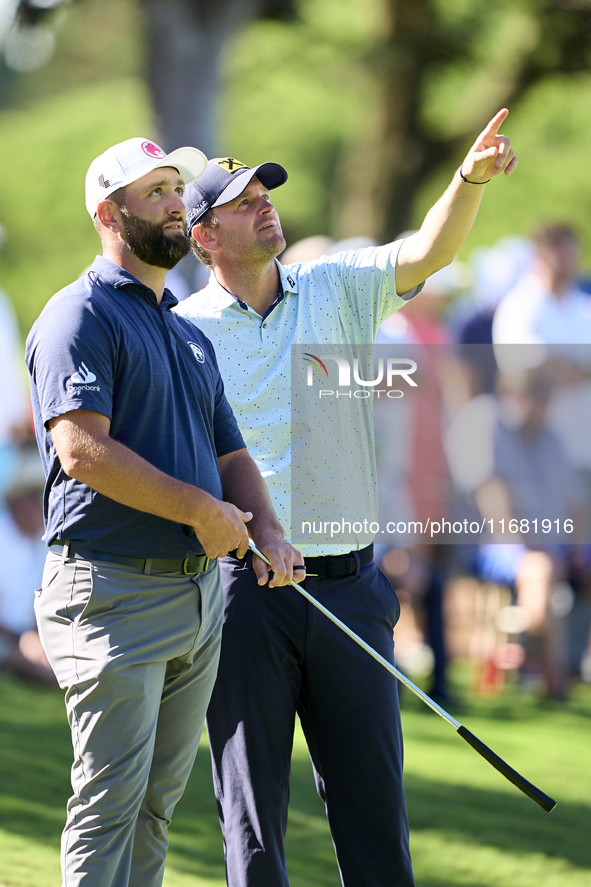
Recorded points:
80,380
197,351
84,376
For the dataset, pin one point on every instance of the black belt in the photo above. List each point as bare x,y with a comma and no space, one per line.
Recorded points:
336,565
188,565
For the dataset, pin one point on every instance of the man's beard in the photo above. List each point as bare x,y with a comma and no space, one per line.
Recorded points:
151,245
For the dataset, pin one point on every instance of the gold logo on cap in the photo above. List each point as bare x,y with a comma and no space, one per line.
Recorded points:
231,164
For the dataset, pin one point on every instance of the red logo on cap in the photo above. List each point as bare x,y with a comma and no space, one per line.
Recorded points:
152,150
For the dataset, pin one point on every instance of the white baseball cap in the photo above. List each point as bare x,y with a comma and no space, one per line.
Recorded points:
129,161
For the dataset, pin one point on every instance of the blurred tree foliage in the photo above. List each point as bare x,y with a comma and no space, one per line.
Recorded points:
369,103
439,71
435,72
182,44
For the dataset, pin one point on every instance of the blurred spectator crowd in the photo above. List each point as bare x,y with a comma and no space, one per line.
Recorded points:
22,553
496,432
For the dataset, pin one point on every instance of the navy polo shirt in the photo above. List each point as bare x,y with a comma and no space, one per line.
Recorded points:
104,344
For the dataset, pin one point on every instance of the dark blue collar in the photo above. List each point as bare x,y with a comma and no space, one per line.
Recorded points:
118,277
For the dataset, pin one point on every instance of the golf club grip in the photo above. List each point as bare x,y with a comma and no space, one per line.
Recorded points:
508,772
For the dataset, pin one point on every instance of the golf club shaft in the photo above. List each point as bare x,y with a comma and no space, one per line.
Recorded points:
508,772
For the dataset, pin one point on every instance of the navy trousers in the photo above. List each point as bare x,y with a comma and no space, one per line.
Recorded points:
280,656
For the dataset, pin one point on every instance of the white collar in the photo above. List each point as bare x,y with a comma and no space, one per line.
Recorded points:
223,298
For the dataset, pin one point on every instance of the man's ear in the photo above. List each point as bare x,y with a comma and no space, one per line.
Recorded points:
109,215
205,237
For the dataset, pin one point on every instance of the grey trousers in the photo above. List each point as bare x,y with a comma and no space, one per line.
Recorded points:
137,656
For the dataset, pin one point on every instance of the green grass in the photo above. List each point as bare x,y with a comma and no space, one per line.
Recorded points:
469,826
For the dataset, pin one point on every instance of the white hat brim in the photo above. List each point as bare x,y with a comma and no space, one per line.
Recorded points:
190,162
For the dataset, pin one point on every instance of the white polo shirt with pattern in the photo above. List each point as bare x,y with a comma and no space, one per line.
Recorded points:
341,299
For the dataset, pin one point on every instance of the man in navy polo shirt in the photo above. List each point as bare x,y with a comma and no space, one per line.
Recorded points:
148,483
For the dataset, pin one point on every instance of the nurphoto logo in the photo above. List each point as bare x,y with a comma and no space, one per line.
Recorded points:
396,369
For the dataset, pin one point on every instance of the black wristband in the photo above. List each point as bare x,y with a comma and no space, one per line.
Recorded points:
468,182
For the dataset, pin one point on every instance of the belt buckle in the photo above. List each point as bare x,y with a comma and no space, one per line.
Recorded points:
186,562
312,575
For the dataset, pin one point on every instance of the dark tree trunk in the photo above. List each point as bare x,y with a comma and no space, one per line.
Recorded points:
186,39
185,42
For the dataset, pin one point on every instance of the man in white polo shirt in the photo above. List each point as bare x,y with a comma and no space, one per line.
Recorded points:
280,656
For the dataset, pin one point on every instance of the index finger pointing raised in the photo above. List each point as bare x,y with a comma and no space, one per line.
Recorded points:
491,130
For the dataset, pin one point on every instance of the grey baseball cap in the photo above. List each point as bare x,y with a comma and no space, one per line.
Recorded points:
223,180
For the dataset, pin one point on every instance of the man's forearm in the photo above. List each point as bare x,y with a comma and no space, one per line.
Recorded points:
115,471
243,485
88,453
443,232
